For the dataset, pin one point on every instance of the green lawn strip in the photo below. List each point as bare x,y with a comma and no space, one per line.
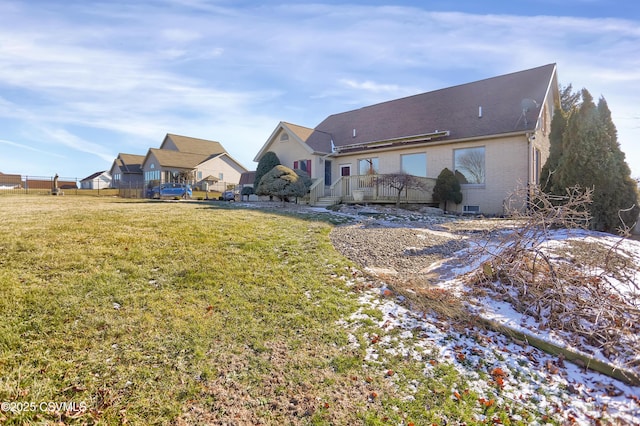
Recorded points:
190,313
132,307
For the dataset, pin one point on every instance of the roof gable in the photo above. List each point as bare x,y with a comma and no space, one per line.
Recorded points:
129,163
487,107
191,145
300,134
180,160
232,162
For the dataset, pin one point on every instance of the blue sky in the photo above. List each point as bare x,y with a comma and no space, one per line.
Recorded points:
82,80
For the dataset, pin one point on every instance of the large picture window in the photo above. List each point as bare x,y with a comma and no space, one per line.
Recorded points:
469,165
368,166
414,164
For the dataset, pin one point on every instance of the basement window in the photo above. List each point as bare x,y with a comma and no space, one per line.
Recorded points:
471,209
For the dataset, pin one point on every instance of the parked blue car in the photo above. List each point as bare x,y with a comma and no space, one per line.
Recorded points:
172,190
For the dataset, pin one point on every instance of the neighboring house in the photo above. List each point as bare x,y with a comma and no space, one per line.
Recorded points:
98,180
202,163
493,133
126,171
8,181
247,179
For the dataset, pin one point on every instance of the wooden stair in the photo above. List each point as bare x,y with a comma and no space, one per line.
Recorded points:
327,201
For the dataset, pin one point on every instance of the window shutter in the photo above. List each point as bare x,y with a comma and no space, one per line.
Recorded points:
295,165
309,167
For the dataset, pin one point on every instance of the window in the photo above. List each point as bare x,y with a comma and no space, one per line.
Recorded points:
471,209
151,175
414,164
368,166
221,176
199,175
469,165
304,165
284,137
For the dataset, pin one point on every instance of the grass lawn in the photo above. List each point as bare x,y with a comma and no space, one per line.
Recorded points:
130,311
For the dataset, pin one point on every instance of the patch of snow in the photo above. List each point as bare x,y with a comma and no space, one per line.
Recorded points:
533,379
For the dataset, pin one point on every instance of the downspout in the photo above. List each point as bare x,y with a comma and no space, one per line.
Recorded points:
530,136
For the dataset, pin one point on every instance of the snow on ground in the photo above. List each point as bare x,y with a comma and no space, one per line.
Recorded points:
502,312
533,379
539,381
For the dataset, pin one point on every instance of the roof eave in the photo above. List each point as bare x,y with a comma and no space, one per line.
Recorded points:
427,137
433,142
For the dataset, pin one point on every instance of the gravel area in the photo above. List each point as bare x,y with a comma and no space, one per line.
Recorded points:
406,243
394,250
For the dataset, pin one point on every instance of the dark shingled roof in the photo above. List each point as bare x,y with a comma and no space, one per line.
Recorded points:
130,163
454,109
247,178
92,176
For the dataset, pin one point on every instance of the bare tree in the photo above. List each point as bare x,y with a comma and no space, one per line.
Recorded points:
401,182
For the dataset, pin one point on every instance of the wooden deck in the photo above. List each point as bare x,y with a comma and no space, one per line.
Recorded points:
373,189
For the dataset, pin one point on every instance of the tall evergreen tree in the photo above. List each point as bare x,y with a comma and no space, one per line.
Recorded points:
268,161
568,103
582,139
624,189
589,155
547,178
568,98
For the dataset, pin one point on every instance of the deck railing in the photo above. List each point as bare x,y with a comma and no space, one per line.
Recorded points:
374,189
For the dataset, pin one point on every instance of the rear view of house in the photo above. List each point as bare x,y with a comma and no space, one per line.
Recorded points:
493,133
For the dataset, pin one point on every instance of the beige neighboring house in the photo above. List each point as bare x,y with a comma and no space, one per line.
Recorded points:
202,163
493,133
126,171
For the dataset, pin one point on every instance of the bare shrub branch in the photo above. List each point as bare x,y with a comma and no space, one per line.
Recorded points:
585,289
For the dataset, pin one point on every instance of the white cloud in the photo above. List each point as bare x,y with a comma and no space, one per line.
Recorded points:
65,138
28,148
138,71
